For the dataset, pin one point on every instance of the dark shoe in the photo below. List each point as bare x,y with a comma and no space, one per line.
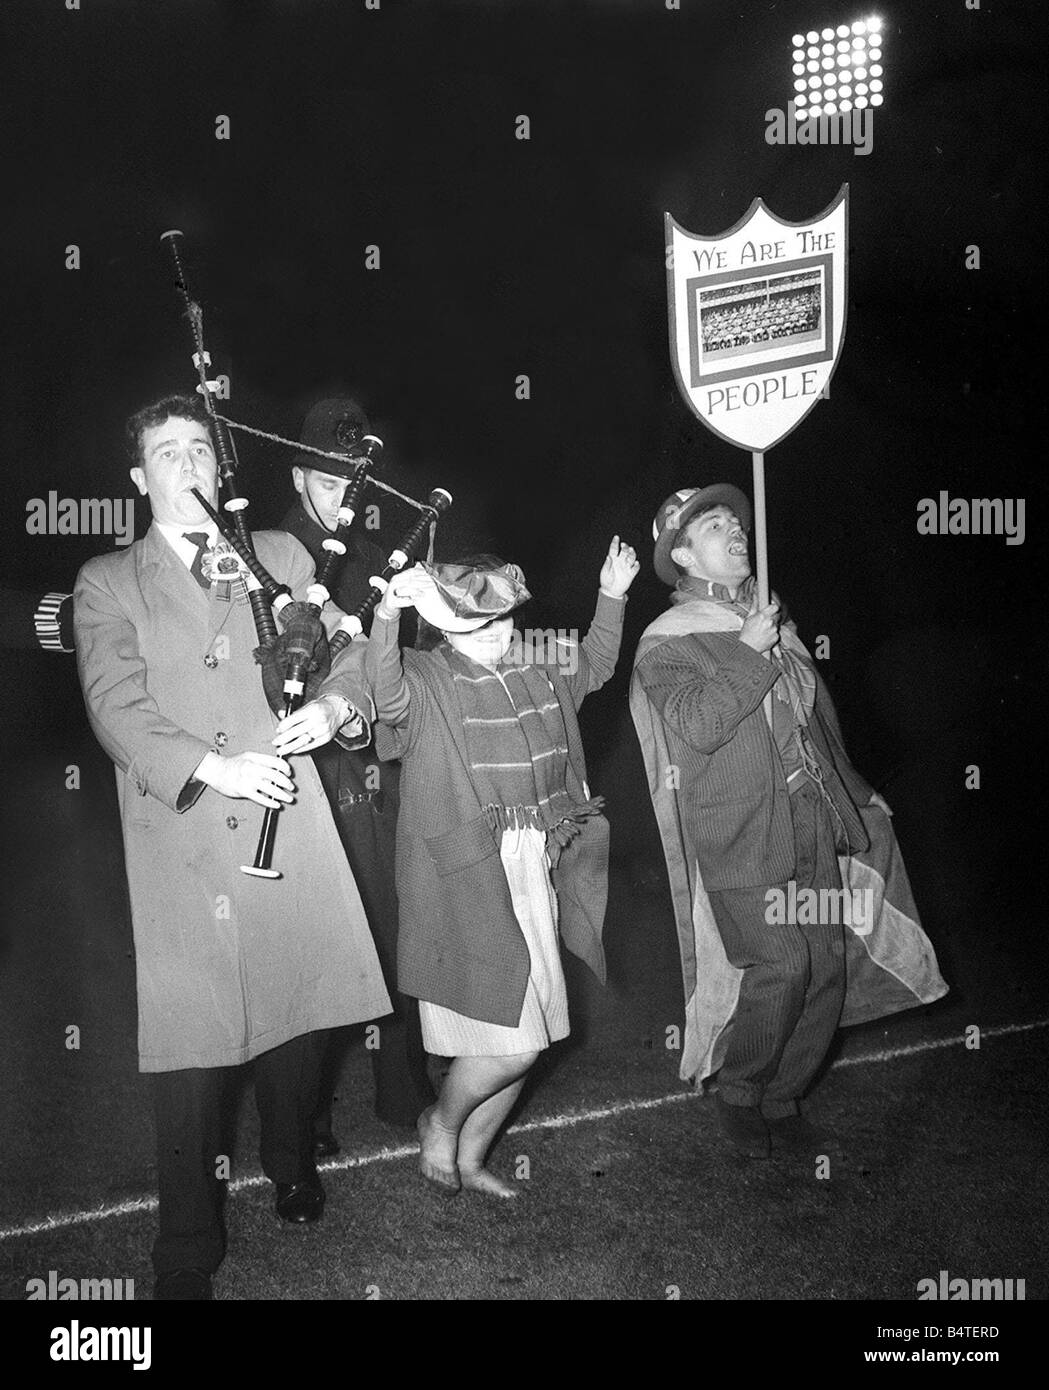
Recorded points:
745,1128
325,1145
184,1284
793,1134
300,1202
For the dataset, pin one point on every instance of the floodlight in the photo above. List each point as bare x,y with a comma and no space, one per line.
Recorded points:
839,65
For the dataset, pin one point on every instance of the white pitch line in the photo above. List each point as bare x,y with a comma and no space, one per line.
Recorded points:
890,1054
63,1220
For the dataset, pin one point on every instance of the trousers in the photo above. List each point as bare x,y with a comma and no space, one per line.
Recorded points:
192,1139
793,984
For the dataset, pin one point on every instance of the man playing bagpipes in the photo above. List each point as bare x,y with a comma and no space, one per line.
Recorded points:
755,816
230,967
362,792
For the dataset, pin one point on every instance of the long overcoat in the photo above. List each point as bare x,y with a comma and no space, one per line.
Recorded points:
725,821
228,966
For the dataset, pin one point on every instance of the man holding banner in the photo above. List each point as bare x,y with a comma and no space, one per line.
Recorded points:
793,909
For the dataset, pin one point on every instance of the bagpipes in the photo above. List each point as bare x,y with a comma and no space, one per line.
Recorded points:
295,661
353,624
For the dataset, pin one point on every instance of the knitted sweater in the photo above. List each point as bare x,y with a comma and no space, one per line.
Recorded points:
459,942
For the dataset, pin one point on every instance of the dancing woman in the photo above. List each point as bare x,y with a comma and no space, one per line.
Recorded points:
499,843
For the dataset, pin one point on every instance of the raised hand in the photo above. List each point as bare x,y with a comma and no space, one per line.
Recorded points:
619,570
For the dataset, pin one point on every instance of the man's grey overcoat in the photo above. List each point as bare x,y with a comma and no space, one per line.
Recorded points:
228,966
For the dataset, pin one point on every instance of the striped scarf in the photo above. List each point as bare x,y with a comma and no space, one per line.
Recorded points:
517,747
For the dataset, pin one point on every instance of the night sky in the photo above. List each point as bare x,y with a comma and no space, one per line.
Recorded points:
395,127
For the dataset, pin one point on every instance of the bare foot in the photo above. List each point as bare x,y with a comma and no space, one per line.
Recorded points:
481,1180
437,1147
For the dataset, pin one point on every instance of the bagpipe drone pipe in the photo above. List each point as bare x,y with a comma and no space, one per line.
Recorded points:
296,660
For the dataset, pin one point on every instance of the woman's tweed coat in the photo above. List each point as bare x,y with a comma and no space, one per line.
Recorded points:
459,943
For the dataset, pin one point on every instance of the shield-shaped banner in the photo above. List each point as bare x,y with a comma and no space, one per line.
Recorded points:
757,319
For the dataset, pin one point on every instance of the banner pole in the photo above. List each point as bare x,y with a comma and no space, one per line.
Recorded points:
761,551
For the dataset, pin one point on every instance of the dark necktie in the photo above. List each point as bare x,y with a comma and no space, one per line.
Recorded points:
200,540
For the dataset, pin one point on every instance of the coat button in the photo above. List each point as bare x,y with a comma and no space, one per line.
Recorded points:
232,822
221,739
211,661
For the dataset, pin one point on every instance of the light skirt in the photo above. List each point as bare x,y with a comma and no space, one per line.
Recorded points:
544,1016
